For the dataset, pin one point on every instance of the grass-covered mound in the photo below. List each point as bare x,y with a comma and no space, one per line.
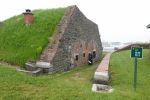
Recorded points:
19,43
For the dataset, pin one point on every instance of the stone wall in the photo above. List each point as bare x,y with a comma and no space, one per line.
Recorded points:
80,37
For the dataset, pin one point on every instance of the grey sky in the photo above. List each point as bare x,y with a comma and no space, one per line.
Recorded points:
118,20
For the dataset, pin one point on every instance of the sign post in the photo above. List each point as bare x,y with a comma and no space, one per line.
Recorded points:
136,52
135,74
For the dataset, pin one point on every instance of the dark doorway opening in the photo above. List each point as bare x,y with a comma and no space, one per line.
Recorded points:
76,57
94,54
90,59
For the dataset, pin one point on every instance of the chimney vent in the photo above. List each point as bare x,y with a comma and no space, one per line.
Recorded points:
28,17
28,10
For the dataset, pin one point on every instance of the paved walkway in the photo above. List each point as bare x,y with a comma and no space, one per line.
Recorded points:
101,74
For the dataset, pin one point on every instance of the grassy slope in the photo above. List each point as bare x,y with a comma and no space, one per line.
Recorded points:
73,85
122,67
77,84
19,43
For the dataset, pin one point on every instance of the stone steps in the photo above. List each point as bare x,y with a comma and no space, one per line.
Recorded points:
37,68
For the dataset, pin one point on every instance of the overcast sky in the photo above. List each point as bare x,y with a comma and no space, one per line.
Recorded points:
118,20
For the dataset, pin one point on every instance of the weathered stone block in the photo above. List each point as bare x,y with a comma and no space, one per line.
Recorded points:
101,77
30,66
102,88
45,65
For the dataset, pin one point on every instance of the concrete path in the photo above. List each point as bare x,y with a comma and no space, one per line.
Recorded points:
101,75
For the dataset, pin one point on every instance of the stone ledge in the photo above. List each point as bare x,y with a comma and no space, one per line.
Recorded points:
30,66
101,75
41,64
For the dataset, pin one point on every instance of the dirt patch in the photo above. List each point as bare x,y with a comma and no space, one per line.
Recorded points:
78,76
9,65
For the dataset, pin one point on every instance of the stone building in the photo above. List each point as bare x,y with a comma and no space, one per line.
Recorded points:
76,40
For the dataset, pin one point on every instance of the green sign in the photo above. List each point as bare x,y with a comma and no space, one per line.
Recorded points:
136,52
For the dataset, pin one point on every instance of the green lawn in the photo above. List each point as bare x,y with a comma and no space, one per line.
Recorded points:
19,43
77,84
122,70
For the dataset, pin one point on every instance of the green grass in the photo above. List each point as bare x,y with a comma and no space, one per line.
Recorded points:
77,84
122,70
73,85
19,43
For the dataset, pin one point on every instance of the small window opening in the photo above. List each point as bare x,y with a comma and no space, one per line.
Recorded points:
76,57
83,54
